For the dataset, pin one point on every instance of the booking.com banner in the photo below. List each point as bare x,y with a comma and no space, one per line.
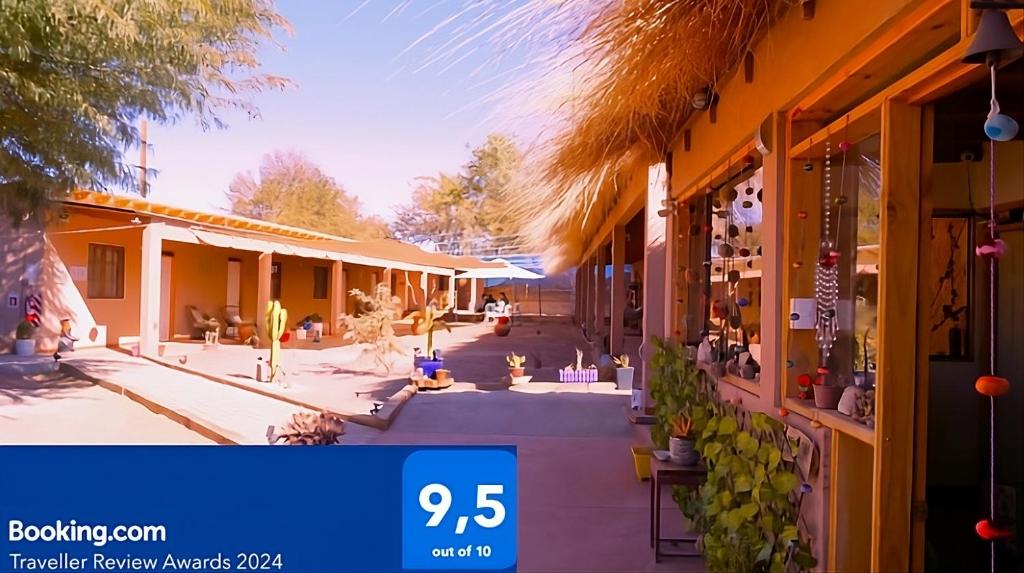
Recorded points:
281,509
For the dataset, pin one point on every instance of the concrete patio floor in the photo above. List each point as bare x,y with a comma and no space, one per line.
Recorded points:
55,409
581,508
343,379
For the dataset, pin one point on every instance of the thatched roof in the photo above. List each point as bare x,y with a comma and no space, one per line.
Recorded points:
635,66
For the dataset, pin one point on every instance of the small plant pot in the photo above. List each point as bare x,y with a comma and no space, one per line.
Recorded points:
827,397
25,346
642,462
682,452
442,375
429,366
318,327
517,372
624,378
300,334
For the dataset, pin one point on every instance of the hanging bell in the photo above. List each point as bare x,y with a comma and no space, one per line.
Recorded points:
995,40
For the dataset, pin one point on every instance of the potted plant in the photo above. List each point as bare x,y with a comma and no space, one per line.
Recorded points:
24,344
516,365
318,324
623,373
680,443
426,321
826,396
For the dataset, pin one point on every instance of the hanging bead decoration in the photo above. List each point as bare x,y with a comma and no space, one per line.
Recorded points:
991,248
826,275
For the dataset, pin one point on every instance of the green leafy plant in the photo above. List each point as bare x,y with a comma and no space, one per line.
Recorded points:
315,317
312,429
748,508
621,361
25,330
515,361
373,323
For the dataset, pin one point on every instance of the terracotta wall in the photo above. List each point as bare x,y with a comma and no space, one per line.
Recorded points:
297,287
199,277
121,316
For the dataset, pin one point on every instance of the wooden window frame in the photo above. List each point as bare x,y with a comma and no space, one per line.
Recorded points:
95,267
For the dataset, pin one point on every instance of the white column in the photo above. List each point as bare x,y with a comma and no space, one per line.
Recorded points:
149,293
617,335
337,296
658,271
425,289
472,295
452,291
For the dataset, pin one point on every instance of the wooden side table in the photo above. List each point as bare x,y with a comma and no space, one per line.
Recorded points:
668,474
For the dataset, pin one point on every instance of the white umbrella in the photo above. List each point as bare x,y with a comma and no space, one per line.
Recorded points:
507,271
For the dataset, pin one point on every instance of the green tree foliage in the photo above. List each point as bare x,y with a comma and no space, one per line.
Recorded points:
469,208
75,77
292,190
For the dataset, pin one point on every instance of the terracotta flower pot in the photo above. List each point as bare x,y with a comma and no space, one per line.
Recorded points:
827,397
442,374
517,372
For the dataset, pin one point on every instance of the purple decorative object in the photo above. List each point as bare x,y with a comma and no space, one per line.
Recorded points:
429,366
577,376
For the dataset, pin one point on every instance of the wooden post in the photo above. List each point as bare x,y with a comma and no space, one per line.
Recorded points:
337,296
601,297
424,288
588,310
263,297
773,365
918,506
617,337
452,301
472,295
149,293
897,336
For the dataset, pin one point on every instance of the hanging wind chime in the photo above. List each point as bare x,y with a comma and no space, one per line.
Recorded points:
826,276
995,40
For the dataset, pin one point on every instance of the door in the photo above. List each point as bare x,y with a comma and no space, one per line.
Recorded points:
166,269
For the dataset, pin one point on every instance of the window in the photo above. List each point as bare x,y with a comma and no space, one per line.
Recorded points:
733,284
320,282
106,271
275,281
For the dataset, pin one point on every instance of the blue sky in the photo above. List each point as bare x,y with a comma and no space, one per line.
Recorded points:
359,110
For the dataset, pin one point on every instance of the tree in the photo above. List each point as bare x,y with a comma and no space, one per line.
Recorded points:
75,77
292,190
469,209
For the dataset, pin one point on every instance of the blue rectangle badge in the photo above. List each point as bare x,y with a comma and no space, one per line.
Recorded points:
362,509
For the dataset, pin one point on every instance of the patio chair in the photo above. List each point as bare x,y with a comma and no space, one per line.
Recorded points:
235,326
491,311
204,326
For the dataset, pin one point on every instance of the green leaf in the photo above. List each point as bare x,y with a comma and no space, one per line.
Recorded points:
727,426
742,484
789,533
777,567
765,553
774,458
784,482
749,510
733,519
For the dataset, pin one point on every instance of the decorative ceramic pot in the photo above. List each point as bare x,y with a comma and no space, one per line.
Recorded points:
624,378
429,366
25,346
502,326
318,327
300,333
681,451
517,372
827,397
442,375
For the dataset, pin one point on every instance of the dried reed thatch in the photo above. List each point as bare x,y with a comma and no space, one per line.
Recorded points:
618,77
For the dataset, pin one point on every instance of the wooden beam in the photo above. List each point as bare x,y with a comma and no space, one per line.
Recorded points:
600,296
897,336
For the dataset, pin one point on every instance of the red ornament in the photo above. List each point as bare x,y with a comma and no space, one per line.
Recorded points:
992,386
783,412
844,146
989,531
286,336
822,370
804,380
829,258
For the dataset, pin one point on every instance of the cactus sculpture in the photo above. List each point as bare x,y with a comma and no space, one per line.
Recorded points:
277,325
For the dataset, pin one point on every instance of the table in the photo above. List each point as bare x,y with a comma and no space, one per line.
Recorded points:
666,474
